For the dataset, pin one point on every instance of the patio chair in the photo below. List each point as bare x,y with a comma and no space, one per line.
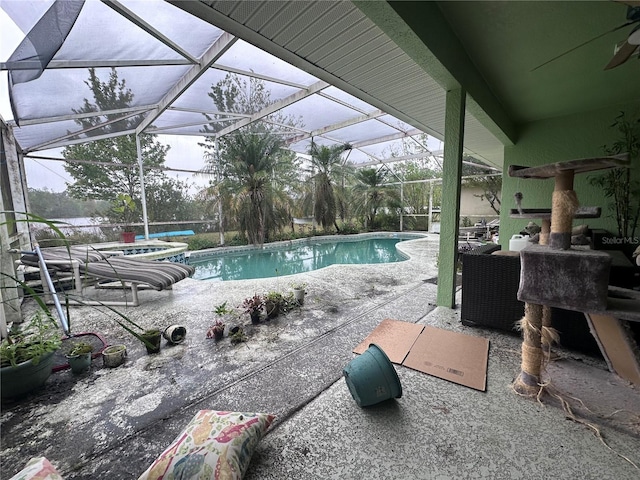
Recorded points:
489,299
109,271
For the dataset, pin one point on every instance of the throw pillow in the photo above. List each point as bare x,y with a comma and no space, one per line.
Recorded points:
37,469
213,445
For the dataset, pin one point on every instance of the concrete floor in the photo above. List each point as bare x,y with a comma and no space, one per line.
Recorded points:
112,423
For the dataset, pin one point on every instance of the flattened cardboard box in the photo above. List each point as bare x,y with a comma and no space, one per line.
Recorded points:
394,337
452,356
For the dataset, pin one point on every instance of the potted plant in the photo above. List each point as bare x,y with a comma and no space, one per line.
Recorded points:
617,184
299,291
216,331
27,356
151,339
253,306
79,357
114,355
124,206
237,335
273,303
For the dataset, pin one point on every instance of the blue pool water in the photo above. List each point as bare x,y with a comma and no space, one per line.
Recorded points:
295,259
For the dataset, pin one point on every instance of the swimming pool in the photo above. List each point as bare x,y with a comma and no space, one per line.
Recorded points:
288,259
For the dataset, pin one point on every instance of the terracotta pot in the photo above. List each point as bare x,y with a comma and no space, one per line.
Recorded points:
128,237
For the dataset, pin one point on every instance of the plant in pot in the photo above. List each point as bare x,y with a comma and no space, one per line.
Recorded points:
299,291
114,355
152,338
79,357
216,331
27,355
618,184
253,306
273,304
124,207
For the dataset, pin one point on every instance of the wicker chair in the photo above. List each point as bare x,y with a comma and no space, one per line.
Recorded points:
489,289
489,299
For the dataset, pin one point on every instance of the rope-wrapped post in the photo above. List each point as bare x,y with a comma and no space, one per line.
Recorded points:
549,335
564,204
544,232
528,382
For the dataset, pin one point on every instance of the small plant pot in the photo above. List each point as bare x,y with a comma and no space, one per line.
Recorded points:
218,334
175,334
114,356
79,363
155,340
273,309
298,294
128,237
371,377
255,317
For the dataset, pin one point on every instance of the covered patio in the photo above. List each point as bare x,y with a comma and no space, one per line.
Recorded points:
115,422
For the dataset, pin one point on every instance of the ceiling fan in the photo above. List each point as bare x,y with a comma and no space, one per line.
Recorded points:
624,50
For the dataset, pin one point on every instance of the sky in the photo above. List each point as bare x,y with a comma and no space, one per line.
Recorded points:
184,152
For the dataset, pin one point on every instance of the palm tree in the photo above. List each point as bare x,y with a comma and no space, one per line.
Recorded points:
371,193
249,161
328,168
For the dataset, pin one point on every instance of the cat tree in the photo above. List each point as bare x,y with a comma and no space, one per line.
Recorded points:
554,275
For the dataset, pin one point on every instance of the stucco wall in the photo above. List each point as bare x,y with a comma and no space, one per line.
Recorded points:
473,207
557,140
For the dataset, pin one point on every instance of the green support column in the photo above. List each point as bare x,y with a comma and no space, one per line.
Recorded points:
451,173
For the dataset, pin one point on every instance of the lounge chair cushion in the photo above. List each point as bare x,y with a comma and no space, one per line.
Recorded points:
158,275
80,253
214,445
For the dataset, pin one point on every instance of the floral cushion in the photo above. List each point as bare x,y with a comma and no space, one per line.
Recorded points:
214,445
37,469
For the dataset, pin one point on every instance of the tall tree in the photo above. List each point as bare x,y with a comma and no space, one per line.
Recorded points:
119,174
328,168
253,173
372,193
250,160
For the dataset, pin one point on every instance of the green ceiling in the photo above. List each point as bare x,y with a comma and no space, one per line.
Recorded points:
507,40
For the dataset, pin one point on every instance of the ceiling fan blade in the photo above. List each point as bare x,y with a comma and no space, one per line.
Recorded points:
582,45
622,55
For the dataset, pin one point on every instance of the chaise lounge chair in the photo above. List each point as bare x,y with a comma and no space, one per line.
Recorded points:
108,270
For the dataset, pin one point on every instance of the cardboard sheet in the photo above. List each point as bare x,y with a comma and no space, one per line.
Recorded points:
394,337
452,356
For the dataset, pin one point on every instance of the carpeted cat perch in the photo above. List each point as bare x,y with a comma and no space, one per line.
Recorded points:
553,275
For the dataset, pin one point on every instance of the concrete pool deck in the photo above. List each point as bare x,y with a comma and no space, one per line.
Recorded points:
112,423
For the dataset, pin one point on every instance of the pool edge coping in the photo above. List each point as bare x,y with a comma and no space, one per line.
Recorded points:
289,243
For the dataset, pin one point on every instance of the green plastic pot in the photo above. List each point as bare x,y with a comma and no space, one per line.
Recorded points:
371,377
79,363
25,377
